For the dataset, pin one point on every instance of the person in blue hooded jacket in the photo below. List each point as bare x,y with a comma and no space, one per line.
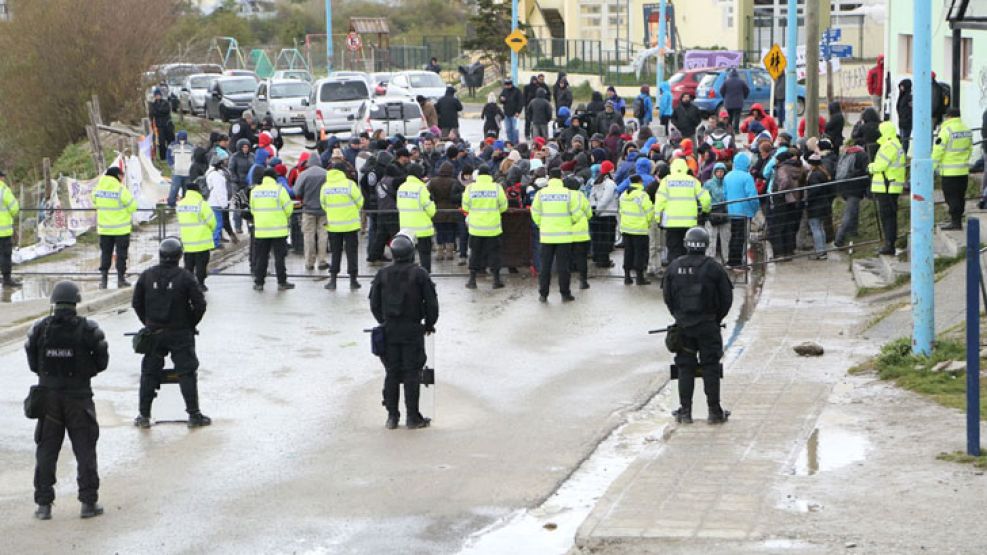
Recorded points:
718,223
642,167
626,167
665,108
739,184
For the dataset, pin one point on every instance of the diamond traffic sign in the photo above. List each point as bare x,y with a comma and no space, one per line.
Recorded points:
841,50
516,40
775,62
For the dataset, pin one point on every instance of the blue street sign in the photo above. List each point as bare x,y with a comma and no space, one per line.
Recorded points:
841,50
832,34
825,52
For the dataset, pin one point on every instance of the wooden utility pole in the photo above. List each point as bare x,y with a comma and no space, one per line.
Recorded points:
811,69
92,131
45,179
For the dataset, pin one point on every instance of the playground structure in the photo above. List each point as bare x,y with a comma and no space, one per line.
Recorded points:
226,51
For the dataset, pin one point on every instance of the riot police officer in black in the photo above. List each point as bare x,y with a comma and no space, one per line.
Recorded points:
66,350
170,305
401,297
699,294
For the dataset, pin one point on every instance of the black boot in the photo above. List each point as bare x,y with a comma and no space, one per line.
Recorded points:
392,421
43,512
717,415
497,284
189,385
104,278
471,284
683,415
142,422
583,283
90,510
331,286
122,282
628,280
420,422
198,420
354,284
641,280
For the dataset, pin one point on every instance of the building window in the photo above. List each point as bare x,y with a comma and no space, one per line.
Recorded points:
966,60
904,53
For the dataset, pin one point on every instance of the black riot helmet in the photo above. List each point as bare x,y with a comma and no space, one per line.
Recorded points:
403,246
66,292
170,251
696,240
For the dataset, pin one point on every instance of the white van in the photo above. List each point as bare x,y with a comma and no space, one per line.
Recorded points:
334,103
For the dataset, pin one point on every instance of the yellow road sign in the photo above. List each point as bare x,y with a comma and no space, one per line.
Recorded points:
775,62
516,40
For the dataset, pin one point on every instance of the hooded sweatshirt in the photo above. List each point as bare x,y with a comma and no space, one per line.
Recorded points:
665,101
448,108
539,110
739,184
867,131
834,127
642,167
715,185
752,126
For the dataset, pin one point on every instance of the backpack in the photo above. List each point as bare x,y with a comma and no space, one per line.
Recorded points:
638,107
846,168
203,186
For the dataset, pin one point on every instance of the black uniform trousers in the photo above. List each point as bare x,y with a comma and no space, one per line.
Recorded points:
954,191
558,253
75,413
578,261
180,344
404,357
385,228
887,210
635,252
783,227
264,247
704,340
738,238
601,233
6,253
424,246
338,241
484,253
107,243
674,242
198,264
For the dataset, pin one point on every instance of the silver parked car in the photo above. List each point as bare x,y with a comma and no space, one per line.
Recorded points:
192,95
416,83
334,102
229,97
285,100
393,115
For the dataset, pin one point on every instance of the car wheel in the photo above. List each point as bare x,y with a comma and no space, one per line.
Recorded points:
801,106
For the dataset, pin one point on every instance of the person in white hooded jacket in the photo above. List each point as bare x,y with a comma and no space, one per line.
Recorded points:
603,225
220,188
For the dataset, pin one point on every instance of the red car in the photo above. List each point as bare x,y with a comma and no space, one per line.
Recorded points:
686,82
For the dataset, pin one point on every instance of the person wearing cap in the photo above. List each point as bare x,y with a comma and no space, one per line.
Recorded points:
66,351
513,102
608,118
341,201
196,224
159,112
271,208
404,302
556,211
9,208
169,303
114,206
415,212
580,231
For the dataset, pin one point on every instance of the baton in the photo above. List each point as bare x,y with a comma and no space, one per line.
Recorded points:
665,330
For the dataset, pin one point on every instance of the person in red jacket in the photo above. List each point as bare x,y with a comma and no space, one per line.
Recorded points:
758,121
822,127
875,82
299,168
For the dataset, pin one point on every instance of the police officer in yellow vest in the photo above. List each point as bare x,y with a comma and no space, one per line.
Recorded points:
342,201
678,200
196,224
556,211
637,213
580,233
951,155
114,205
887,181
271,208
415,211
9,208
484,201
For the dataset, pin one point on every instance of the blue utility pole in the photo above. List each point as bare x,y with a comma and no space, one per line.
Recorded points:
791,73
513,53
923,282
660,59
328,37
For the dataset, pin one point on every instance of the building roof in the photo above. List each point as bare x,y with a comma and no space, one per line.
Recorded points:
369,25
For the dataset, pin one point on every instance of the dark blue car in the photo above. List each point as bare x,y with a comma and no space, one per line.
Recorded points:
708,97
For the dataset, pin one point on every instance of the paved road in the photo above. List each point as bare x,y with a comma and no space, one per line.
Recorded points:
298,459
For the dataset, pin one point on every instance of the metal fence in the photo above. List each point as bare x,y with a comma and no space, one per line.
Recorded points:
612,62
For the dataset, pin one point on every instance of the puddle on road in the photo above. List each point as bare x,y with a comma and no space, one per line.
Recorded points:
830,448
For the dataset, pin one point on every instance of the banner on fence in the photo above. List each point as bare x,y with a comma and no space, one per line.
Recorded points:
700,59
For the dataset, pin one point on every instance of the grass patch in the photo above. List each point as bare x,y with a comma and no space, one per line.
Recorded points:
897,364
76,160
962,458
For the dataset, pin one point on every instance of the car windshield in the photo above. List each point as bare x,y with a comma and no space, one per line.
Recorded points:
395,111
290,90
421,80
678,77
341,91
239,86
201,82
296,75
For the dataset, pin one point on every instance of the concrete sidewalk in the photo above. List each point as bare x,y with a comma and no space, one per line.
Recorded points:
714,483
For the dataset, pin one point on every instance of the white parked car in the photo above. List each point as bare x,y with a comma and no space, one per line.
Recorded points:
334,103
393,115
296,74
285,100
193,93
417,83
